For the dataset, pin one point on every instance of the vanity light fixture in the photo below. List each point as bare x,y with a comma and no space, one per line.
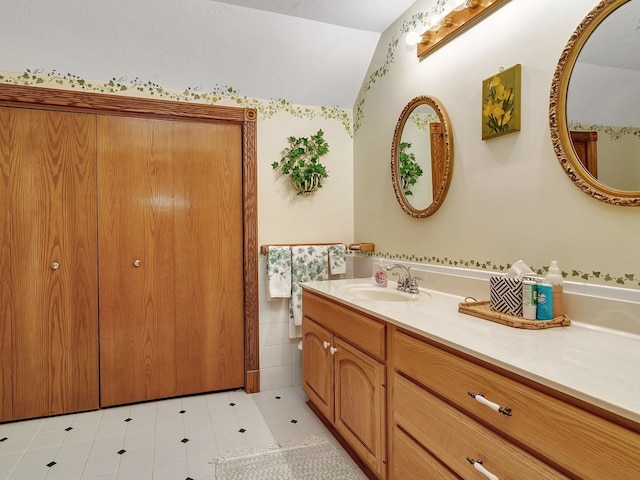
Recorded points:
463,15
414,38
444,22
462,4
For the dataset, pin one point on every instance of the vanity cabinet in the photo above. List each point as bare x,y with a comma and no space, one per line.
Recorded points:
518,429
344,375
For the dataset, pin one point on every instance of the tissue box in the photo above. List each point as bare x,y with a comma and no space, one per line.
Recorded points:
506,295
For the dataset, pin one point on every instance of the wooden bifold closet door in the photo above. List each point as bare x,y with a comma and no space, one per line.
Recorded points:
48,263
170,249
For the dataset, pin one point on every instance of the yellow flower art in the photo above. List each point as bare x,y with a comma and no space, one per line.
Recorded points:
498,106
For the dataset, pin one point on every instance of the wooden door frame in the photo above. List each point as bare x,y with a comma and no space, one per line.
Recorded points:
104,104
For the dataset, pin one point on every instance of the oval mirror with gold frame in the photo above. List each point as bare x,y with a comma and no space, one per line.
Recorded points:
422,156
594,122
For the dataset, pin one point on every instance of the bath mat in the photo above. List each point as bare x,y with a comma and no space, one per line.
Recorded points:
311,459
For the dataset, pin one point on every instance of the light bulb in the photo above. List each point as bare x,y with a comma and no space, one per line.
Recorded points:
413,38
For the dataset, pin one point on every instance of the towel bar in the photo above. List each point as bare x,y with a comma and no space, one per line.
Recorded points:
362,247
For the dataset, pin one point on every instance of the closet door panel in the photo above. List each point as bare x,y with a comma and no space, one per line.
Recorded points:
53,262
136,254
6,388
209,257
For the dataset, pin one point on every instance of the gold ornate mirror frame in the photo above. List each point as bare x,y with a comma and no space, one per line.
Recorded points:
558,121
441,160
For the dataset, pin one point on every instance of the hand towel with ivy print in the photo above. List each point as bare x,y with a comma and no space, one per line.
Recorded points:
308,263
279,271
337,259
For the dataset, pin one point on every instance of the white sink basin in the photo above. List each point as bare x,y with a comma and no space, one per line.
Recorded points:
366,291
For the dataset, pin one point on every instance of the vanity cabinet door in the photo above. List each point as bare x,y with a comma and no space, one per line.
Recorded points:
317,366
345,383
360,406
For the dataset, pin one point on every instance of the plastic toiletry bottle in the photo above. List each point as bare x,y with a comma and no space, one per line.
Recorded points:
529,300
381,277
544,309
554,277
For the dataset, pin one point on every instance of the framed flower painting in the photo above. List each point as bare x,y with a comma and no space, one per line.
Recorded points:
501,103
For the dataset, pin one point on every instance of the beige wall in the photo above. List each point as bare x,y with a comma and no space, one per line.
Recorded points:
509,198
324,216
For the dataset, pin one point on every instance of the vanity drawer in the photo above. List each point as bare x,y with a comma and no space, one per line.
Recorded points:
412,462
362,331
453,437
583,443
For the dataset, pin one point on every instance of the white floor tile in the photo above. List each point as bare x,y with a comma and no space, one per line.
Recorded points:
170,471
141,424
199,467
15,444
57,423
143,410
153,440
135,459
79,434
112,429
66,471
29,473
88,418
194,403
144,473
114,414
171,452
25,427
38,457
9,462
75,451
102,446
137,441
202,446
199,430
169,435
101,465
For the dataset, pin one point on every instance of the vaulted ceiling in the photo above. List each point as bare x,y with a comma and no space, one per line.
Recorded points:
313,52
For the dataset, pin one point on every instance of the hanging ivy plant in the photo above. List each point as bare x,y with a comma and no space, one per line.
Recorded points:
301,161
410,170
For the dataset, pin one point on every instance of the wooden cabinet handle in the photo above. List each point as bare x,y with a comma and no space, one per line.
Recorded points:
493,406
325,344
55,266
333,350
137,263
477,464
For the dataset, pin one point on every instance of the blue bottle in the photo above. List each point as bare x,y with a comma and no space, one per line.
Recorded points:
545,301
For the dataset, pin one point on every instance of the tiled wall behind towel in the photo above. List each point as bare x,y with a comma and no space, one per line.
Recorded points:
280,359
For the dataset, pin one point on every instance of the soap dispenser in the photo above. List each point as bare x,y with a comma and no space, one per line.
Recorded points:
554,277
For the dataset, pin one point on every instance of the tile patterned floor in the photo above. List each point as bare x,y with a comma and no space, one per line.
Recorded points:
165,440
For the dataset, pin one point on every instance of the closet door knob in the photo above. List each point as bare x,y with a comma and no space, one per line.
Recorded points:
55,266
137,263
325,344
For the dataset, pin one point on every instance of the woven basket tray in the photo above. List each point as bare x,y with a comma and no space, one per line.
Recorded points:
483,310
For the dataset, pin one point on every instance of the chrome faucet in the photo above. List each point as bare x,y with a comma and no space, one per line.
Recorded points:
405,283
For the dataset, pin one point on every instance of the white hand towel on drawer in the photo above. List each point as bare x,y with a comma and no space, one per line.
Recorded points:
337,259
308,263
279,271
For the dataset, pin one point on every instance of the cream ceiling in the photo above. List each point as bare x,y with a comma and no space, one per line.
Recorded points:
371,15
310,52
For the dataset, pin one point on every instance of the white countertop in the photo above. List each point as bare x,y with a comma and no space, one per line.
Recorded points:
596,365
